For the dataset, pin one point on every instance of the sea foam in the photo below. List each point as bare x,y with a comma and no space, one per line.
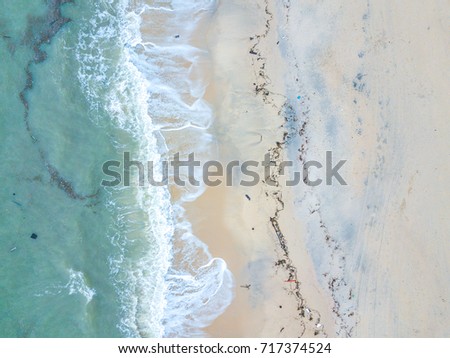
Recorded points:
76,285
140,73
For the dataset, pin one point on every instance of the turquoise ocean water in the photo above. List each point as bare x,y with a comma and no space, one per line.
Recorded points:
80,83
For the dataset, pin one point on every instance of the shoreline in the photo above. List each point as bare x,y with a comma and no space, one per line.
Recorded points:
274,90
227,80
246,226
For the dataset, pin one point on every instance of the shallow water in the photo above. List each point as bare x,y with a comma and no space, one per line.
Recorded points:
106,262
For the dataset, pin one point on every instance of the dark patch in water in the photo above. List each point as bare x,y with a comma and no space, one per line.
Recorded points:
64,184
17,203
41,30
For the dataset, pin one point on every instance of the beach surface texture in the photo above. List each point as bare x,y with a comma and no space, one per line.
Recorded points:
347,234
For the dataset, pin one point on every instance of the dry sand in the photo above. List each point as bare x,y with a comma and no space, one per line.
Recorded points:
369,259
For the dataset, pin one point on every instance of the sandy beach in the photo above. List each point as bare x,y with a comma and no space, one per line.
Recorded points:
330,120
365,81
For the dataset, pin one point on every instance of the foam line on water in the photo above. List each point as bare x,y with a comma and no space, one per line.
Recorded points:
167,281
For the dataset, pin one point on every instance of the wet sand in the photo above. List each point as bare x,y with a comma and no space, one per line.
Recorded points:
367,82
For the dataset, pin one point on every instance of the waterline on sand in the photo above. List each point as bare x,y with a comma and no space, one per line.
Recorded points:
142,82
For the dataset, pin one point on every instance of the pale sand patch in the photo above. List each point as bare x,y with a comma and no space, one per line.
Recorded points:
402,248
246,128
378,81
371,257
